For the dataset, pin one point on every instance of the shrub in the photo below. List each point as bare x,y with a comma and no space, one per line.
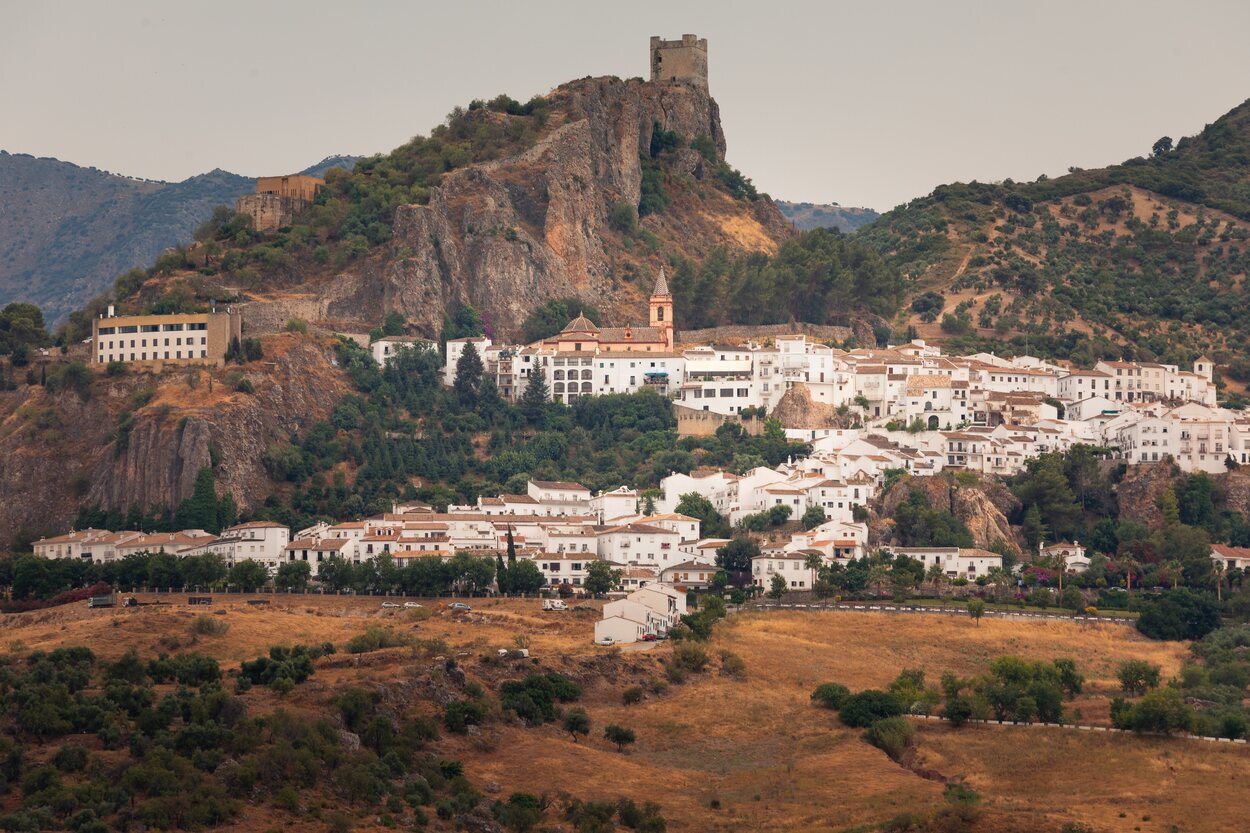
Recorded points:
209,626
689,657
892,735
460,714
374,639
624,218
867,707
632,695
732,665
831,695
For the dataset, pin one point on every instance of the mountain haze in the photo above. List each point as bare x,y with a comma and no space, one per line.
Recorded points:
68,231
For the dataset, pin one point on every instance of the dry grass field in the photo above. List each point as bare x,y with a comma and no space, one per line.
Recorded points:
721,754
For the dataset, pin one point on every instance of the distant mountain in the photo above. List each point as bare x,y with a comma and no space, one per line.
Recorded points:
807,216
66,231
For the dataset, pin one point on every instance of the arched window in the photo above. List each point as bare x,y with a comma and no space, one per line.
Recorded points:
559,374
933,422
558,387
585,375
585,387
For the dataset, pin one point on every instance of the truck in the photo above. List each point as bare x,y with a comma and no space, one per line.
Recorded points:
109,600
554,604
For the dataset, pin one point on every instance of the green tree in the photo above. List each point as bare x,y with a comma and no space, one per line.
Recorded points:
601,578
711,524
525,577
200,511
293,575
577,722
203,570
778,587
813,517
735,557
535,398
619,735
976,609
468,379
1137,676
248,575
336,573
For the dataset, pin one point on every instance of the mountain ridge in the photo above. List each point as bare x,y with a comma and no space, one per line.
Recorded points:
71,229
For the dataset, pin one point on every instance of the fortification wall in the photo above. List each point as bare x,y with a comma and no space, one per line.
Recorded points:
269,212
693,423
743,332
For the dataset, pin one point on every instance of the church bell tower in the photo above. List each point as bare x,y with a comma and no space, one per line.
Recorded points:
661,309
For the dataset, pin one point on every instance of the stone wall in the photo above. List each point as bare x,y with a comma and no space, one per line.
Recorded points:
744,332
693,423
269,212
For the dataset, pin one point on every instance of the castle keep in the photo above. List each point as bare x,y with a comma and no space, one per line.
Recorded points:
680,60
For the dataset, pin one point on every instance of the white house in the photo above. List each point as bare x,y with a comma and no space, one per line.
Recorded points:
385,348
956,562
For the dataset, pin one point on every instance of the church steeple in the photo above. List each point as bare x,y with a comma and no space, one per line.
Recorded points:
661,308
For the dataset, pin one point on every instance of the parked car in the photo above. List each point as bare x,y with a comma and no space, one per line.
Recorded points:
606,640
411,605
459,606
647,637
390,604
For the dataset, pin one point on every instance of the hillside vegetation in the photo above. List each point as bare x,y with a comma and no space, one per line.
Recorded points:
1145,259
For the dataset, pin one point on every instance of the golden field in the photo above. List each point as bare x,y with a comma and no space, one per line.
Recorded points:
720,754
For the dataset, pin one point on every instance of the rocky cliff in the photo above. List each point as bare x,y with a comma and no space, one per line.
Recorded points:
982,506
61,450
509,234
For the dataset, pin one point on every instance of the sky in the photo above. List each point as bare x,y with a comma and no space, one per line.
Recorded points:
866,103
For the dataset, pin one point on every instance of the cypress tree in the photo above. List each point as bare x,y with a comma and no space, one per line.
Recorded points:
468,376
534,398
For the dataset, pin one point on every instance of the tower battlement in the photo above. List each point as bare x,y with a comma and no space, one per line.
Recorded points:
679,60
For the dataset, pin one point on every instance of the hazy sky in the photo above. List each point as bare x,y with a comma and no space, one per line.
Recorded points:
862,103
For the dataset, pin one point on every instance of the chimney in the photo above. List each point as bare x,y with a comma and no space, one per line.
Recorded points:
110,312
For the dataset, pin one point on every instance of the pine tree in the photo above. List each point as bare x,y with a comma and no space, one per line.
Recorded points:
533,402
468,376
502,575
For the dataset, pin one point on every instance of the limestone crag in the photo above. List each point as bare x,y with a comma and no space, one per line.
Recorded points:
509,234
797,409
60,451
982,507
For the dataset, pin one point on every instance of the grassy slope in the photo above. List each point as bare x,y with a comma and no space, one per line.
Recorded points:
772,760
1065,256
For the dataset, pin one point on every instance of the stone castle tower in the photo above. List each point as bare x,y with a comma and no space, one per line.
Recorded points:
680,60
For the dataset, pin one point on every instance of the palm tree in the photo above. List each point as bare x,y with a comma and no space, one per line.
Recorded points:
1219,581
814,562
1000,578
936,577
1129,564
1175,569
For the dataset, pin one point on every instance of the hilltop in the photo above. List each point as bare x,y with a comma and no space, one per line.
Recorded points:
1144,259
583,193
68,231
807,216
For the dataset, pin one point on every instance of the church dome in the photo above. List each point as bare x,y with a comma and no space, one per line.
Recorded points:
580,324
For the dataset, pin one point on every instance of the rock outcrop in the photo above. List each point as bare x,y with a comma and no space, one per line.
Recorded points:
982,506
797,409
59,451
507,235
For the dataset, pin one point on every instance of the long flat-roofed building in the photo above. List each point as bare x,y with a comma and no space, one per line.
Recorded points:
158,340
